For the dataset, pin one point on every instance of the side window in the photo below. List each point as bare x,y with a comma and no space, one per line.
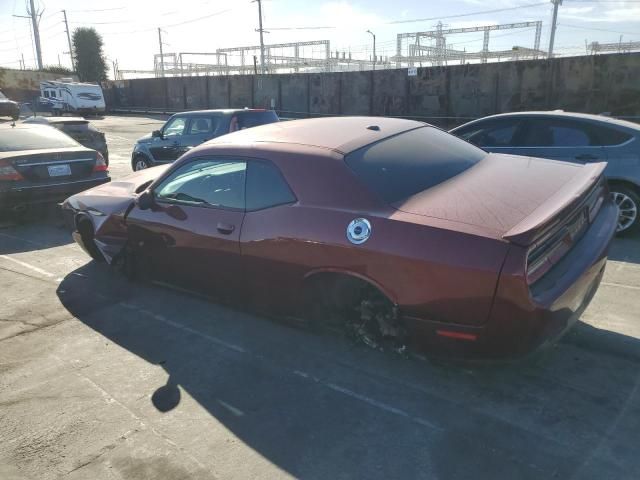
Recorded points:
557,133
208,183
201,125
266,187
493,134
610,136
174,127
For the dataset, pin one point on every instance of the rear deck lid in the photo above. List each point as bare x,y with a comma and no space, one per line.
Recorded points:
515,197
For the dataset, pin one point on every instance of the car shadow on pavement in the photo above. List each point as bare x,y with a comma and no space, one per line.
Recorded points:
318,407
37,229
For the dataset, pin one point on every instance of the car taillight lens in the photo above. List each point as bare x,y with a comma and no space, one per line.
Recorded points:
7,172
101,165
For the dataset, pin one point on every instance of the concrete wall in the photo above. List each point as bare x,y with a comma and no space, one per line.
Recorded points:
440,95
24,85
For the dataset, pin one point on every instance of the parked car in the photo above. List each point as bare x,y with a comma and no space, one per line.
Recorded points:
185,130
79,129
9,108
40,164
572,137
404,232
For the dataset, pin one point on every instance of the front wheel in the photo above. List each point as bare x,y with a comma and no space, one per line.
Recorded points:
628,203
140,163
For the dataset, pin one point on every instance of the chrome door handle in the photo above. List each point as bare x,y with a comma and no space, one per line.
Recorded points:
225,228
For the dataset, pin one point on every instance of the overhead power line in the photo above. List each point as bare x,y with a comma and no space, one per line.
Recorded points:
470,14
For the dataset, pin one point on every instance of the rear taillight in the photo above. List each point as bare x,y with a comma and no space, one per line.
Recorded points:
8,173
101,164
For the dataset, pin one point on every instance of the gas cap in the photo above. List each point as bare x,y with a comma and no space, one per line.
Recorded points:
359,231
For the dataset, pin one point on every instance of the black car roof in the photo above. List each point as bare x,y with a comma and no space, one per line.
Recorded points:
221,111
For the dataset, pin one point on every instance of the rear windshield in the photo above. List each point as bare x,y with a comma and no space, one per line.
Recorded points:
406,164
253,119
17,139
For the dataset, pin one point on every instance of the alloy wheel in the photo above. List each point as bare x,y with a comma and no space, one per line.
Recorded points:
140,165
628,210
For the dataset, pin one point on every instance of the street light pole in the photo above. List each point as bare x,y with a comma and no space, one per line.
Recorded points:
374,48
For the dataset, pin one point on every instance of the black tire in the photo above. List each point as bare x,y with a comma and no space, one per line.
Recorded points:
140,162
85,228
628,202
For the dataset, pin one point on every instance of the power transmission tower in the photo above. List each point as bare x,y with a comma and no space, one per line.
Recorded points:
261,30
552,37
66,24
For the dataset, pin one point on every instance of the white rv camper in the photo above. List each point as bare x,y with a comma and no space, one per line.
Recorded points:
65,95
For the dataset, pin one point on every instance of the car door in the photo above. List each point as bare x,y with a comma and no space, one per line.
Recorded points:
563,139
271,277
190,236
200,129
166,148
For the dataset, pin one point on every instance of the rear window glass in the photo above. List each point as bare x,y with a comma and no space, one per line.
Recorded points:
401,166
609,136
253,119
16,139
266,187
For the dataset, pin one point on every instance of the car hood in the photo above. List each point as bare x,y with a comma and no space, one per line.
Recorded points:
145,138
505,194
114,197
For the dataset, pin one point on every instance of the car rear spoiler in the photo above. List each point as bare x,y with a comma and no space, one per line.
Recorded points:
543,217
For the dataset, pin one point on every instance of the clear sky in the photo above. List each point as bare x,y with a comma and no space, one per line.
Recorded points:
130,36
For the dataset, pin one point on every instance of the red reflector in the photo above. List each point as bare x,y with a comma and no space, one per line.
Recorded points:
458,335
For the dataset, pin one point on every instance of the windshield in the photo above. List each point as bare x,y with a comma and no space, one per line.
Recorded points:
2,97
18,139
401,166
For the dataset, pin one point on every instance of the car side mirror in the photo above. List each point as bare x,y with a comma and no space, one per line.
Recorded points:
156,133
145,200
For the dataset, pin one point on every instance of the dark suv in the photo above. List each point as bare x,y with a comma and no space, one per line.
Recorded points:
9,108
186,130
570,137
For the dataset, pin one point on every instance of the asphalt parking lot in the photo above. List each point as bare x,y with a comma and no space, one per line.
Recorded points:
103,378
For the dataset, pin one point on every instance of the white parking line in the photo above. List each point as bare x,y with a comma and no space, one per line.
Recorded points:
29,266
332,386
621,285
370,401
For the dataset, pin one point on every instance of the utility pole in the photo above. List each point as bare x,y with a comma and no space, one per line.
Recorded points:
66,24
260,29
33,16
552,37
161,54
36,33
374,48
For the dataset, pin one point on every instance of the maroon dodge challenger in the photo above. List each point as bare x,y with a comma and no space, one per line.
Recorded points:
399,232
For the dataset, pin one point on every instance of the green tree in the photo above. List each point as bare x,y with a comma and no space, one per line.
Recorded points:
91,65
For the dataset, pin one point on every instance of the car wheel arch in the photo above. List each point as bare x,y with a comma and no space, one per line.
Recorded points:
333,275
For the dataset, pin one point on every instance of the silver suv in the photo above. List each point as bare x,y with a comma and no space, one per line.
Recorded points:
571,137
186,130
